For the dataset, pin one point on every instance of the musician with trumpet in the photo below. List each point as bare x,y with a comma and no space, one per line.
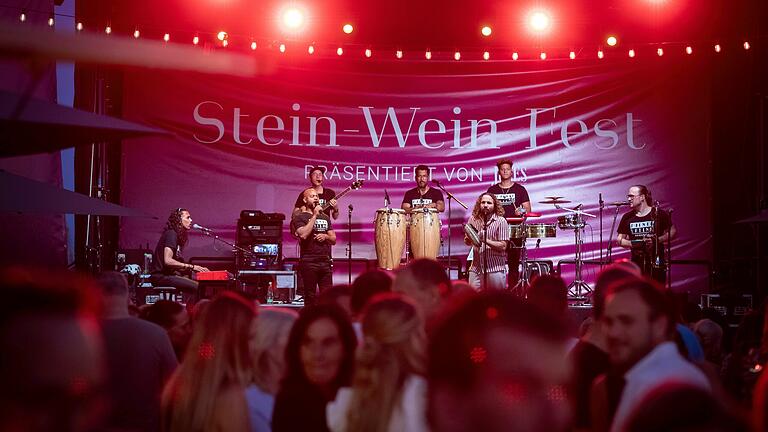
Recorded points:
488,233
646,230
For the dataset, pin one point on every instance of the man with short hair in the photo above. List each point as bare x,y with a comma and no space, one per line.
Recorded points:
423,196
316,236
638,325
514,199
426,282
326,195
139,358
496,364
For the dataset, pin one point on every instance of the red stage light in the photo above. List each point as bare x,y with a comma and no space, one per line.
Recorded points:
50,22
224,43
79,26
347,28
486,31
539,21
293,18
23,17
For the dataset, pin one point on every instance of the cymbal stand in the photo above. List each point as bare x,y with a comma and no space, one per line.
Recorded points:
523,282
578,290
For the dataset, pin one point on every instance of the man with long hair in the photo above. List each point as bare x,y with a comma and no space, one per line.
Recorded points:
646,230
168,266
514,199
488,266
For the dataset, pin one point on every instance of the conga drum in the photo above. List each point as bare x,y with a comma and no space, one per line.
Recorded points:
390,237
425,233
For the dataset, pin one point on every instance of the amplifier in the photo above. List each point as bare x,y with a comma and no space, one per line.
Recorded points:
261,234
258,281
732,306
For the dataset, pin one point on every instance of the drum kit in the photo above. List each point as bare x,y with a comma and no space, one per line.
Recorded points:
423,226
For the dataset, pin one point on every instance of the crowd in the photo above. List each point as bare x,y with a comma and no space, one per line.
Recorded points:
412,351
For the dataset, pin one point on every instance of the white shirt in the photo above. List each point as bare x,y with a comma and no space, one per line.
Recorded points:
661,366
409,414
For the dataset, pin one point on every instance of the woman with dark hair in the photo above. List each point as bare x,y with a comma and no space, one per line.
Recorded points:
168,266
319,359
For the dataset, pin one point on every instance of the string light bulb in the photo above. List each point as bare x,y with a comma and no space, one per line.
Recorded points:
108,30
515,56
486,55
166,37
51,22
746,45
399,54
253,45
600,54
572,55
196,40
543,56
457,56
136,33
631,53
339,51
428,55
79,26
282,48
23,16
718,48
660,52
689,50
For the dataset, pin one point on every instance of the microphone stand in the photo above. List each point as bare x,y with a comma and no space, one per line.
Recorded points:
450,223
601,204
349,245
609,255
669,252
235,248
485,252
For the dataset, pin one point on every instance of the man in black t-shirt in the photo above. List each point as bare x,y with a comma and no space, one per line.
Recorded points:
646,230
326,195
512,197
423,196
316,236
168,266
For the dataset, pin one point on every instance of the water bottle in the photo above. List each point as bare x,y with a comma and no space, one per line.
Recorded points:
270,293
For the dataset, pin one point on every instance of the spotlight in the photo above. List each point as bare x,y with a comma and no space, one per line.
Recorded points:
253,46
539,21
221,35
660,52
339,51
631,53
311,49
600,54
746,45
368,52
611,41
428,55
347,28
399,54
486,55
515,56
543,56
166,37
688,50
486,31
292,19
457,56
572,55
718,48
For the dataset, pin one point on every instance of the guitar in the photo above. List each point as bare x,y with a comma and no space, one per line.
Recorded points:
354,186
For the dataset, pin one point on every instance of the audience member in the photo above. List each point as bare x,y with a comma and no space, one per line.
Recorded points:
51,366
710,335
425,281
638,324
207,391
272,328
496,364
364,288
173,317
319,360
139,359
340,295
388,391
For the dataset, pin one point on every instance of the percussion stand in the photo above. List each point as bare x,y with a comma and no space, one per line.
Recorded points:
578,285
523,283
349,245
450,198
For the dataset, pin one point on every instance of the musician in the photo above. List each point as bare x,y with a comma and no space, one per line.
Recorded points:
326,195
646,230
316,236
493,232
514,198
423,196
168,266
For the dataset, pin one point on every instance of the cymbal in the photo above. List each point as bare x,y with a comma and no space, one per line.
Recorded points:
533,214
553,197
554,201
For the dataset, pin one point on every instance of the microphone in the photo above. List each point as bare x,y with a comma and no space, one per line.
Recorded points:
201,228
387,201
351,208
578,207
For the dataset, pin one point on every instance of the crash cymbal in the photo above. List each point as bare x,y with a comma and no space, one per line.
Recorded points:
515,220
555,201
553,197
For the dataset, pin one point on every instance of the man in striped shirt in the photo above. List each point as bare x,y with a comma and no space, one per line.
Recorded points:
488,270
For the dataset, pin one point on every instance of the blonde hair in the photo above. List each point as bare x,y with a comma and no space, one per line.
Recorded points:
272,329
217,359
393,349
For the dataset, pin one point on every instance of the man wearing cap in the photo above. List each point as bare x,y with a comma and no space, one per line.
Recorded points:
326,195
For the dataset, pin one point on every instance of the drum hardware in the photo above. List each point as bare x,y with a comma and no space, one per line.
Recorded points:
617,205
450,222
349,245
578,290
523,283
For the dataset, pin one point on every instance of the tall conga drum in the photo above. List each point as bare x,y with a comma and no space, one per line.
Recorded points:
390,237
425,233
